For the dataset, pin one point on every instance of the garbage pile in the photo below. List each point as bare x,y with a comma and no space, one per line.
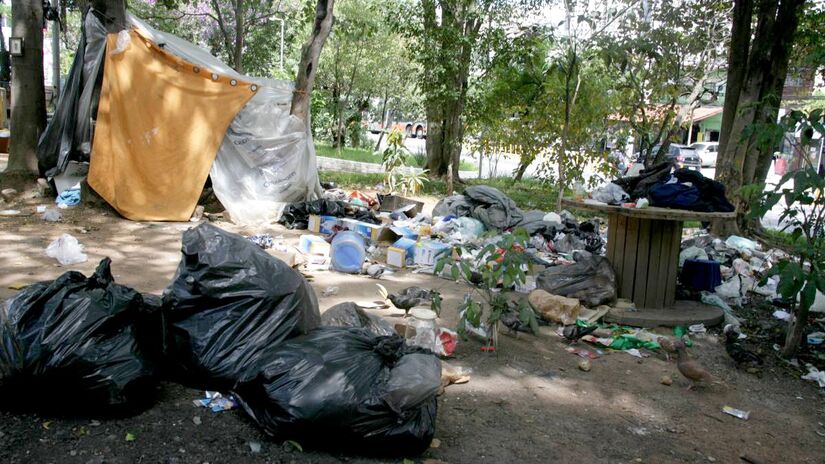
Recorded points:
360,233
234,319
664,187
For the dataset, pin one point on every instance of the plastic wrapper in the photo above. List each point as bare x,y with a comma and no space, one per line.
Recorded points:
346,389
78,344
229,303
611,194
66,250
350,314
591,280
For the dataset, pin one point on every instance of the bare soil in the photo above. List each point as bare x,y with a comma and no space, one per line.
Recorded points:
527,402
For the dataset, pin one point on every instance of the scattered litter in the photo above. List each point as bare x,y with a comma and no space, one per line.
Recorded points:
375,271
640,431
350,314
736,412
197,215
18,286
782,315
51,215
348,252
265,241
816,338
69,197
697,329
436,443
584,353
666,380
330,291
216,402
130,436
196,420
584,365
9,212
741,244
815,375
635,353
41,208
66,250
554,308
255,447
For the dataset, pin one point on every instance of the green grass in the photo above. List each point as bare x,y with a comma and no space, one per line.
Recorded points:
528,194
363,155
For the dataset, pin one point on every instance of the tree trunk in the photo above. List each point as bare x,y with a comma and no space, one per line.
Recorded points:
796,329
28,94
744,160
386,118
737,66
522,168
114,12
239,35
444,136
309,59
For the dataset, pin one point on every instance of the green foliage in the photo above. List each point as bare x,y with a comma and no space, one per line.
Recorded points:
496,267
663,60
803,213
528,194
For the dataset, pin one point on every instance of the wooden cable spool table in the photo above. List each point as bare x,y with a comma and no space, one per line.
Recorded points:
643,245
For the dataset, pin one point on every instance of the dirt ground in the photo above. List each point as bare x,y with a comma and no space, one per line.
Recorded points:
527,402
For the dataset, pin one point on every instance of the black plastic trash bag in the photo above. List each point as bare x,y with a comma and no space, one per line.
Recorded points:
77,343
345,389
350,314
229,302
591,280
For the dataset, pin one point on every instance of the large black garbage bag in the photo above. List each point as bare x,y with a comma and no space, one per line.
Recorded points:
495,209
230,302
350,314
346,389
639,186
591,280
77,343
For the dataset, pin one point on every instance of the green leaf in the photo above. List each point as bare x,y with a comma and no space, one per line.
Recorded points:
296,445
807,297
130,436
791,280
454,272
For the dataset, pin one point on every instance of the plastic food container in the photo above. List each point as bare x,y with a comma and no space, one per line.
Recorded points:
348,252
422,321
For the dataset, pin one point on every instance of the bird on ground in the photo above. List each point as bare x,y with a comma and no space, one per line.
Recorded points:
408,298
690,368
667,345
736,351
574,332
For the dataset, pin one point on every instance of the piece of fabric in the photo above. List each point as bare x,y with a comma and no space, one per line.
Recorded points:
712,198
639,186
160,122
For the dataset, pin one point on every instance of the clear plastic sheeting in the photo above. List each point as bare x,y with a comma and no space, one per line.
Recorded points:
266,161
267,158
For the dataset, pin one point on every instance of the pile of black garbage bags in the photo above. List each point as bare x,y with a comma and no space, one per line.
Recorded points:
233,319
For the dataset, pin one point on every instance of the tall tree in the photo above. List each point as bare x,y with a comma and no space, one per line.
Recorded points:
28,94
757,66
310,53
663,53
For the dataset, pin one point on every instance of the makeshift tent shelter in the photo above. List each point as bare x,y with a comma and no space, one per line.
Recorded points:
155,114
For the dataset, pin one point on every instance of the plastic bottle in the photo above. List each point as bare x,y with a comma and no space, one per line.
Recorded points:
348,252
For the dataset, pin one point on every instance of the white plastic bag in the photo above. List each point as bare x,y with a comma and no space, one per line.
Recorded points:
66,250
123,41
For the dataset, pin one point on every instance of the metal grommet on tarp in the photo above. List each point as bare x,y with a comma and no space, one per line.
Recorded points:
214,77
196,69
233,82
253,88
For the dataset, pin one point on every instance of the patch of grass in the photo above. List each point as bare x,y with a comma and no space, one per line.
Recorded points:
528,194
364,155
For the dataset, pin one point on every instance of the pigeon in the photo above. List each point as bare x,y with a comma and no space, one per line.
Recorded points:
667,345
574,332
408,298
375,271
736,351
690,368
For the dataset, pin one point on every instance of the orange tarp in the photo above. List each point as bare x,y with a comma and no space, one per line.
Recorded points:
159,125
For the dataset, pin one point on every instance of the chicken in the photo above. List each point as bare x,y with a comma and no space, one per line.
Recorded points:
574,332
408,298
736,351
690,368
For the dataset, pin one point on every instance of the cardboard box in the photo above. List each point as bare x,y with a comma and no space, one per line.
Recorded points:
401,252
322,224
313,245
365,229
393,203
427,252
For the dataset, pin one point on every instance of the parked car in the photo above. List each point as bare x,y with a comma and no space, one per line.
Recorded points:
682,156
707,152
